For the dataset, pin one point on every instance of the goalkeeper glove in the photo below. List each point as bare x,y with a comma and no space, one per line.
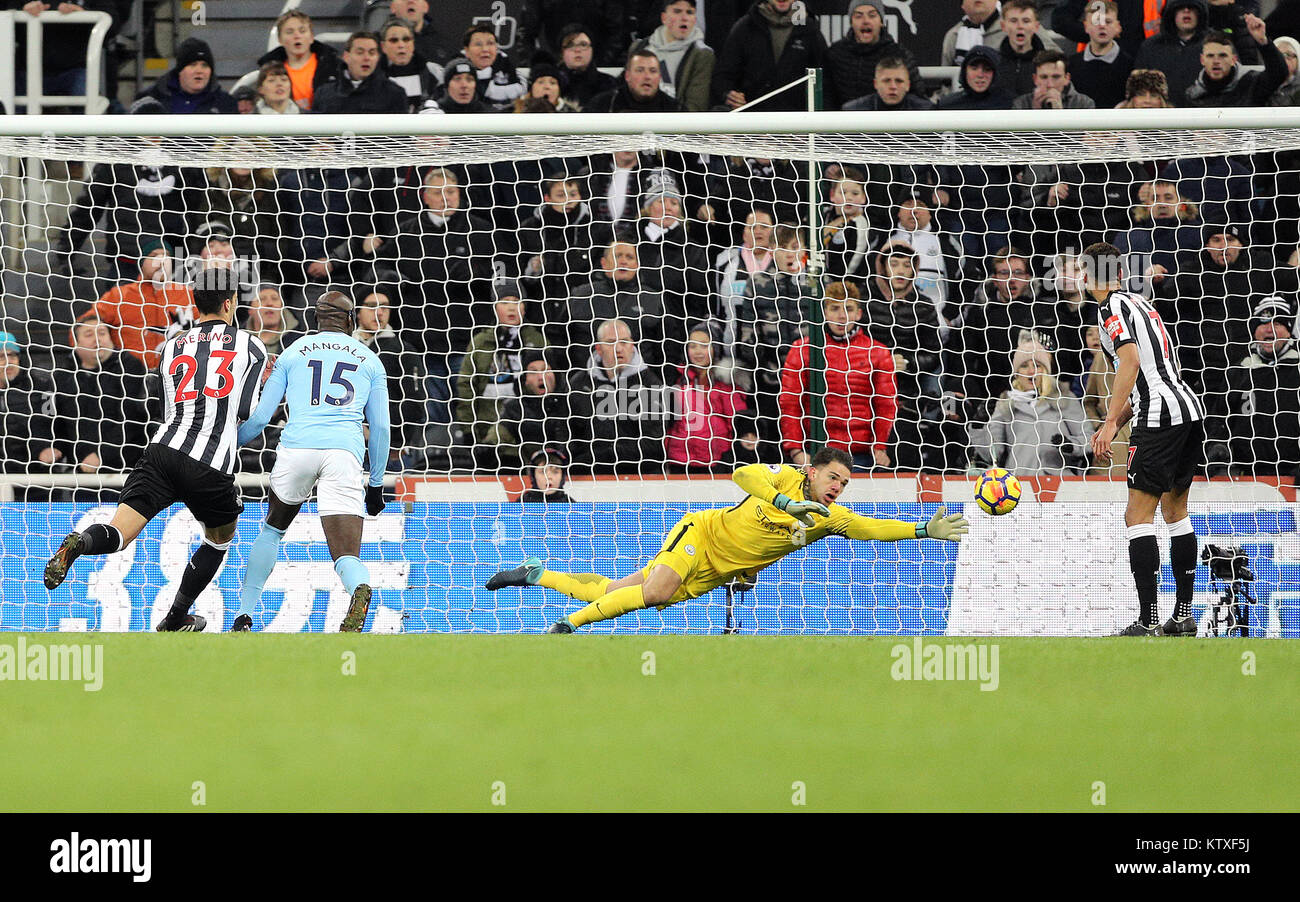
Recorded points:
800,510
374,500
943,525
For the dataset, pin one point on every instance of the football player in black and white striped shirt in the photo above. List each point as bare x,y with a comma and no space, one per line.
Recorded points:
211,379
1166,447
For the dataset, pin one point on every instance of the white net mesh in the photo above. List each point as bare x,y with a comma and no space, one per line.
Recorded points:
674,289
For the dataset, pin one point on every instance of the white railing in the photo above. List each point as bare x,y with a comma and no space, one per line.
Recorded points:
11,481
36,97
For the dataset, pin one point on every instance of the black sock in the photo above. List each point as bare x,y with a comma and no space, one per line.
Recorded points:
198,573
1182,557
100,538
1144,561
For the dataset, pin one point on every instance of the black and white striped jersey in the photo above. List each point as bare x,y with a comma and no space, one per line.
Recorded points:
211,380
1160,397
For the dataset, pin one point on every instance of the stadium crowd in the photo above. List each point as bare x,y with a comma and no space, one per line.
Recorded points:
652,311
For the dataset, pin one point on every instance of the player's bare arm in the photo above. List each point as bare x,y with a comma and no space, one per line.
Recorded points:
1119,409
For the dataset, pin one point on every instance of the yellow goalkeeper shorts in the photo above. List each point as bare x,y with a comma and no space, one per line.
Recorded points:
684,552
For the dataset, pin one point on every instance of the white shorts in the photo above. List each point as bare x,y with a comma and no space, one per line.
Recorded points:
336,475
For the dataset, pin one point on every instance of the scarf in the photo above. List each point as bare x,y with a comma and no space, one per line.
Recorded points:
970,35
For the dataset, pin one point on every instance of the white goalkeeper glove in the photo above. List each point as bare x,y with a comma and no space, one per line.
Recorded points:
943,525
801,510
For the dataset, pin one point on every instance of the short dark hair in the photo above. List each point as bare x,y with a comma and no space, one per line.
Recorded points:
643,51
893,62
788,235
663,7
477,28
832,456
213,286
363,36
1019,4
1046,57
1216,36
1103,262
272,68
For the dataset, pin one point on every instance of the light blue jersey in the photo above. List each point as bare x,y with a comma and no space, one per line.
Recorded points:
334,385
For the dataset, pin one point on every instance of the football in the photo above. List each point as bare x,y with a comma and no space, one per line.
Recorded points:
997,492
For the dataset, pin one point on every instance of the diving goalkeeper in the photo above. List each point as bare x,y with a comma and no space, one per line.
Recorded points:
785,510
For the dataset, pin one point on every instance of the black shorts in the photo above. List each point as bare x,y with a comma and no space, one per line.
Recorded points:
1165,459
164,476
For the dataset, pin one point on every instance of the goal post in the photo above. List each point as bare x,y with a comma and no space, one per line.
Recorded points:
658,346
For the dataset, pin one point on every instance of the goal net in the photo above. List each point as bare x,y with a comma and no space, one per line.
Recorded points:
589,322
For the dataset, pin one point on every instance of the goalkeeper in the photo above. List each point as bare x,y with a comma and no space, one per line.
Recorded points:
785,510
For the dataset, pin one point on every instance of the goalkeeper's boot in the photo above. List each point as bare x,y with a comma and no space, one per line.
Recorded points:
560,626
1137,629
526,574
57,569
243,624
355,618
182,623
1184,626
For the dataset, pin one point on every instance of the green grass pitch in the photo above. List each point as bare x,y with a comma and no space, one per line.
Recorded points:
434,723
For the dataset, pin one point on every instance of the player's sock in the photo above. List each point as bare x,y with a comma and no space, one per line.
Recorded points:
610,605
580,586
1144,561
352,572
1182,557
100,539
261,561
202,567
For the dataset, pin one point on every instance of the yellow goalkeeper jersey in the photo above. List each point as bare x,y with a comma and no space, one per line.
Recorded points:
754,534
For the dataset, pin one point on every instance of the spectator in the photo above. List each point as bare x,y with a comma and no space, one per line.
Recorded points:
1176,49
543,24
989,329
1229,16
748,182
1223,83
685,61
616,184
190,86
140,315
428,43
1025,39
545,90
556,241
892,88
1100,380
861,399
847,234
618,406
26,431
1064,205
735,268
852,60
1285,19
271,322
1076,314
906,322
63,46
1165,229
584,80
442,256
1256,425
980,25
978,85
243,200
711,431
546,470
616,291
245,100
1101,70
1208,305
309,64
212,247
936,253
1146,89
313,205
498,82
1220,187
1289,92
490,372
99,408
538,415
768,322
362,87
406,393
672,261
1138,19
1052,88
406,67
765,50
640,92
275,91
462,90
1035,429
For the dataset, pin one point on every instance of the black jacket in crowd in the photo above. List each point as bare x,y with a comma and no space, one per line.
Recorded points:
746,62
102,411
373,94
851,68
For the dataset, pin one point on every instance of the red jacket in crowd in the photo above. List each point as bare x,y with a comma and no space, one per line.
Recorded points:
861,398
